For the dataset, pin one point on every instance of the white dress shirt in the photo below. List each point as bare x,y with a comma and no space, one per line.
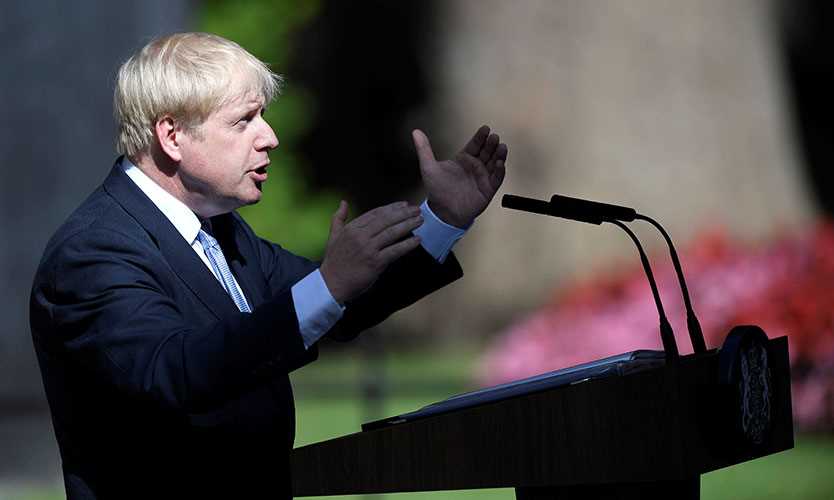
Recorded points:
316,309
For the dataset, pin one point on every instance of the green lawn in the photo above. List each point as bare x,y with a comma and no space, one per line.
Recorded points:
328,405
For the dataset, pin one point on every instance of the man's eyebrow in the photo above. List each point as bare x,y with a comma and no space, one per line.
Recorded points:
244,107
248,106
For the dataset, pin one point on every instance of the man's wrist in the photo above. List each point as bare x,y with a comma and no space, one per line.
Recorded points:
316,308
329,284
437,237
447,217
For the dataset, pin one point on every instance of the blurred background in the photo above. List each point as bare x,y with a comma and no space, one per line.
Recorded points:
712,116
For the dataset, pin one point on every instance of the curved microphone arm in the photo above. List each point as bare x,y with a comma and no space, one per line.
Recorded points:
667,336
594,212
696,335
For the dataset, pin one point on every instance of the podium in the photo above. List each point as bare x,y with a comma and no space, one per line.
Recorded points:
649,434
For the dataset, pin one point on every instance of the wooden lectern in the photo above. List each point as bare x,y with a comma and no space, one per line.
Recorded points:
645,435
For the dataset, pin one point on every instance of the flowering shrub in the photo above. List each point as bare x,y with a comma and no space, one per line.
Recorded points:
786,286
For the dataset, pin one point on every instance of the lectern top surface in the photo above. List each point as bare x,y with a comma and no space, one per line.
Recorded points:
618,365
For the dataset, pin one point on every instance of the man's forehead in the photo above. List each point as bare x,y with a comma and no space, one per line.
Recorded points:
245,89
245,100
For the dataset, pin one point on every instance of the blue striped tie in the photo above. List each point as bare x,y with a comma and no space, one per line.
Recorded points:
221,269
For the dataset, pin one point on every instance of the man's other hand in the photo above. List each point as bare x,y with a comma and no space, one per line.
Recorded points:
460,189
358,251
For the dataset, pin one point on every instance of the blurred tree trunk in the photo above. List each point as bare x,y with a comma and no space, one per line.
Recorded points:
675,108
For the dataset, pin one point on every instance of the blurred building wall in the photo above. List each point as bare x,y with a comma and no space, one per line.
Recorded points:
59,64
675,108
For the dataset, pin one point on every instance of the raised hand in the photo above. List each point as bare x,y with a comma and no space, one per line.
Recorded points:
358,251
460,189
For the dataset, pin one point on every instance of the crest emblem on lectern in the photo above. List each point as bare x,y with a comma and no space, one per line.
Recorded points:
745,372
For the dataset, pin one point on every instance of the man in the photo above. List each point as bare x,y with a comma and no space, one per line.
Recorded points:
165,328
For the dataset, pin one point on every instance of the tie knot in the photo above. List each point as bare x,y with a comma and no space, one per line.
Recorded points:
206,239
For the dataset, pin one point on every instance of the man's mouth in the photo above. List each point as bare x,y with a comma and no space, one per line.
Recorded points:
259,174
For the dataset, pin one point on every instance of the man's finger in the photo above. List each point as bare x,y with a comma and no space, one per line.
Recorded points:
376,220
500,154
497,176
393,252
398,231
474,146
339,219
489,147
423,147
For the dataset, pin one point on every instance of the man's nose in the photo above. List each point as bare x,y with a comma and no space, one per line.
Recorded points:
267,138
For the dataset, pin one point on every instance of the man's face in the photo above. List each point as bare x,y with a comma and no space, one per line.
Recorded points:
224,160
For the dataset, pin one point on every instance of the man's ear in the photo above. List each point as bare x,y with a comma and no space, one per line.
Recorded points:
169,135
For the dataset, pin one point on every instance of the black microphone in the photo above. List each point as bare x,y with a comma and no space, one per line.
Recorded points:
592,212
597,213
589,211
528,205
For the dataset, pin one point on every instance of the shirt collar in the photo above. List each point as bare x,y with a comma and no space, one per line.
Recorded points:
183,219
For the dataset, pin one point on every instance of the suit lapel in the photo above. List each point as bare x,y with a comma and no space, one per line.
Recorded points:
176,251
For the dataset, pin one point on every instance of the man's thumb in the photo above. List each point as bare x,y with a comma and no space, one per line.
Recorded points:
423,147
339,219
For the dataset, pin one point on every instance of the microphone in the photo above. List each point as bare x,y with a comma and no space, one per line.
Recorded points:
589,211
594,212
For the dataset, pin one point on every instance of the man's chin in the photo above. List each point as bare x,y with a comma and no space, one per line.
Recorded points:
254,197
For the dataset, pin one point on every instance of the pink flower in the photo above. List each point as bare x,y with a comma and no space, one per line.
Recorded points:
785,285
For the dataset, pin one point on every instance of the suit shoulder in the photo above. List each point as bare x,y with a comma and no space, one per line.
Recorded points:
99,217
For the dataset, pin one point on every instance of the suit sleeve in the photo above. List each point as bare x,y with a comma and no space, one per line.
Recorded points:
403,283
102,298
406,281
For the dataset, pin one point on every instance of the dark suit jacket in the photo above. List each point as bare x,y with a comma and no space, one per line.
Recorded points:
158,386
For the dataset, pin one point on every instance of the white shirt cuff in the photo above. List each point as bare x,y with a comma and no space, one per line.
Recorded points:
315,307
436,236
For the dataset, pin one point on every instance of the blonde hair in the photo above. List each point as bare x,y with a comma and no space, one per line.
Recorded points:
187,76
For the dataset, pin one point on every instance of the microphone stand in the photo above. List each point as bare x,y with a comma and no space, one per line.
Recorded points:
667,336
696,335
